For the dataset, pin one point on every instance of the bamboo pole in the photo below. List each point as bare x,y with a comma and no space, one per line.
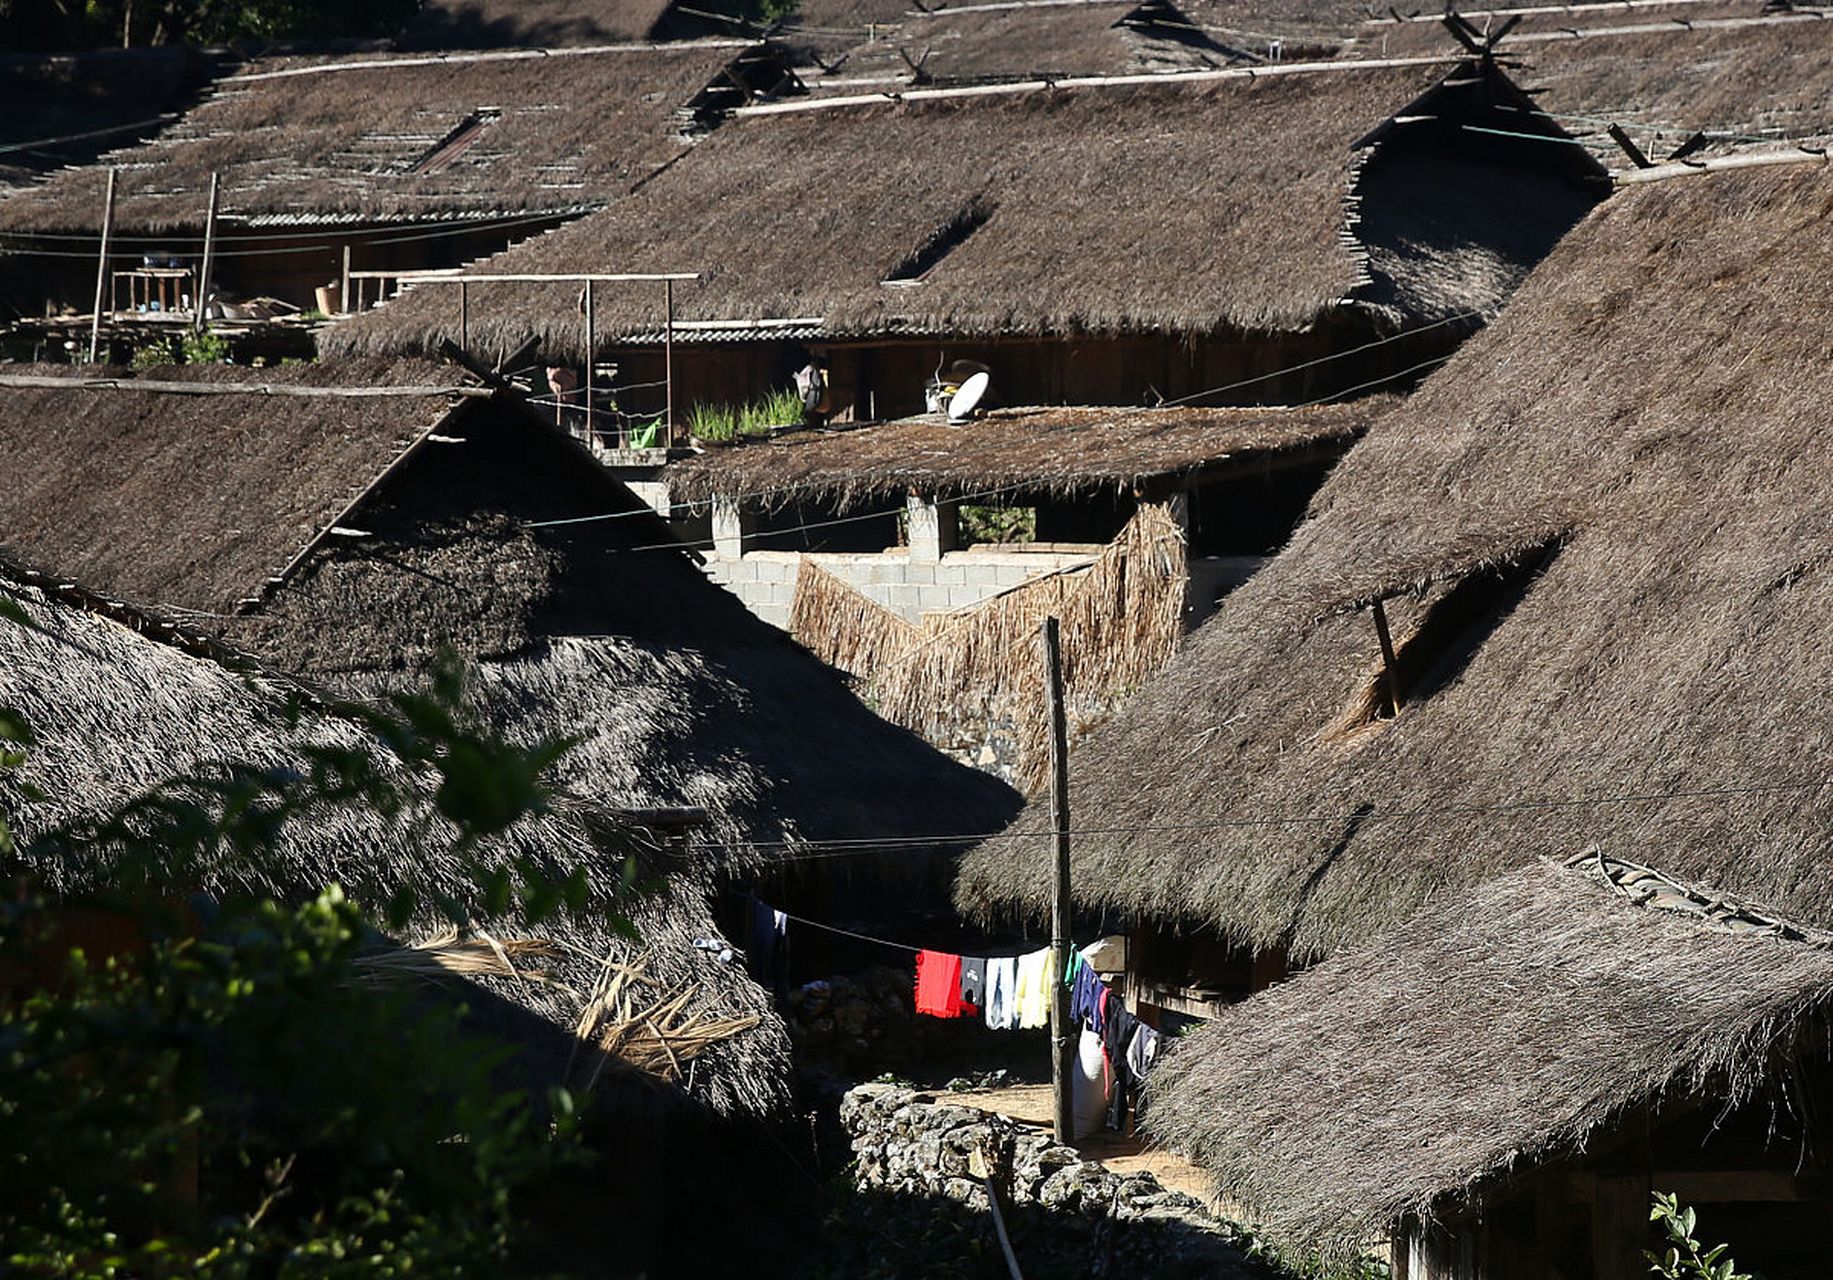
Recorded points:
101,268
1063,1049
203,275
591,349
1389,677
464,316
343,296
668,359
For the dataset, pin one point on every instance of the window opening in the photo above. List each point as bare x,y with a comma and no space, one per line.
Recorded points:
1454,628
916,265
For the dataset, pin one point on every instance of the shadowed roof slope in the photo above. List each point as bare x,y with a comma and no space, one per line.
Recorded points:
388,139
1057,449
602,628
546,24
1353,1094
1146,208
1604,533
116,712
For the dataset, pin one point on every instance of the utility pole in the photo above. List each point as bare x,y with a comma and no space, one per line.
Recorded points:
101,268
1062,1033
203,277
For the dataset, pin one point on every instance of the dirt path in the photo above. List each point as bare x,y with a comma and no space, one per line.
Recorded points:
1029,1104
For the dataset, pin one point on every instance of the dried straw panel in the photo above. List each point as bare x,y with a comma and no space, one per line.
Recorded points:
979,667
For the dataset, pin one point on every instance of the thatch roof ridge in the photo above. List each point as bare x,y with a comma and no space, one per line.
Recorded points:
1636,448
395,139
469,24
120,702
1351,1096
1044,449
1057,234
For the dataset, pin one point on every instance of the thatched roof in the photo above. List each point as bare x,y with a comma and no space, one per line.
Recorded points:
385,139
1606,519
1025,40
116,712
604,628
61,109
547,24
1041,450
1501,1029
238,483
1262,204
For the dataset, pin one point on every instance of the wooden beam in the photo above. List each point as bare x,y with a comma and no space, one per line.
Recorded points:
1063,1031
1390,677
231,388
478,277
668,360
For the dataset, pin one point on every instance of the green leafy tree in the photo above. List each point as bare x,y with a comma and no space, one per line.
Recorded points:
217,1093
1682,1258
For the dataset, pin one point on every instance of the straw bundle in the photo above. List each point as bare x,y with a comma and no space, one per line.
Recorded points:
972,673
476,955
636,1022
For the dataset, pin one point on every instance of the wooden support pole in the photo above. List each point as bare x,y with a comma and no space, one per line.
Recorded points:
591,355
668,361
1062,1037
464,316
203,275
343,294
1390,677
101,269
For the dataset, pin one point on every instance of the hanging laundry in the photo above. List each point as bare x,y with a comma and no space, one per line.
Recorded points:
1002,984
973,983
938,984
768,947
1115,1037
1143,1051
1085,998
1032,997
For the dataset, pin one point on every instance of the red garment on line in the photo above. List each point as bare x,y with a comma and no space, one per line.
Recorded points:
938,984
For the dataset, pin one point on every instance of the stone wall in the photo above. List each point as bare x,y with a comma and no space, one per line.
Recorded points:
908,586
1066,1214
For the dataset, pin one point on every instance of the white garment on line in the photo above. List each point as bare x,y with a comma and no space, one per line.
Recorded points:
1002,987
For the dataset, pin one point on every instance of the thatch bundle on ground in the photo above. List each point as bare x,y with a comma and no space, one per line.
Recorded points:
420,527
1154,209
1552,1012
1056,450
373,138
1600,535
121,703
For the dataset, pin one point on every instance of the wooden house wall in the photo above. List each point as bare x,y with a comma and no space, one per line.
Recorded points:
882,380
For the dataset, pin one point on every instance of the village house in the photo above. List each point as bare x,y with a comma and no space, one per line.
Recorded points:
1581,561
1501,1084
920,557
349,523
1090,243
336,175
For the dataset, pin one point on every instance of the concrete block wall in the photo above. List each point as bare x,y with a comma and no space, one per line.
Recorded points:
909,587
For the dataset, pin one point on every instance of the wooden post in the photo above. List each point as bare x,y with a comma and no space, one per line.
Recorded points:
343,294
668,360
1389,674
101,268
464,315
1062,1037
203,275
591,351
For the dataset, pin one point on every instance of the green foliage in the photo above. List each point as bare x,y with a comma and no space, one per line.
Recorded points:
719,423
1681,1258
201,348
215,1088
997,524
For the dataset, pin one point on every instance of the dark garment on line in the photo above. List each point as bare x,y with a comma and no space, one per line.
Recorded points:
1116,1035
973,982
1085,998
768,950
